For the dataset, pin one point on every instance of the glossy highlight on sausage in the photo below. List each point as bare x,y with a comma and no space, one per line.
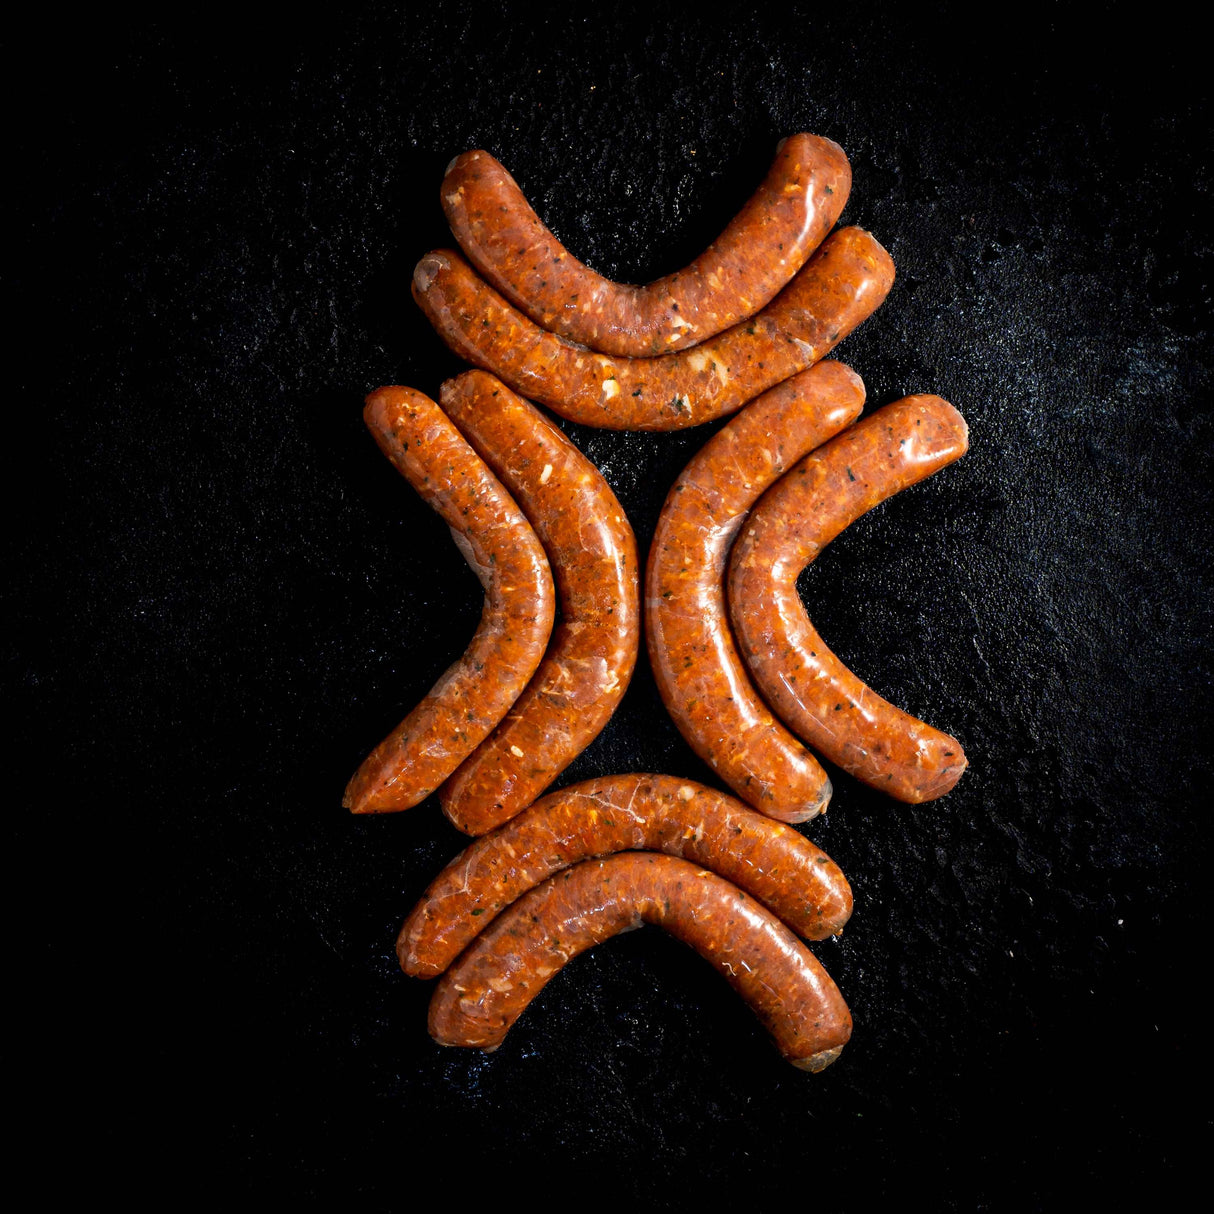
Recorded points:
739,273
794,879
840,286
486,990
699,672
593,650
814,693
460,710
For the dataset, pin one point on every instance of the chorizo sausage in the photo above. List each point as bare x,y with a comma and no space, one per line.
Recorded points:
761,249
593,650
484,992
835,290
459,711
768,860
695,661
807,685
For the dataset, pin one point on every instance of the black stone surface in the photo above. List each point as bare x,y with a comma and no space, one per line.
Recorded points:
221,596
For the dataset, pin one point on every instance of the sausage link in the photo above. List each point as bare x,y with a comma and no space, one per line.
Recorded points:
699,673
487,989
841,285
795,880
460,710
805,683
594,563
761,249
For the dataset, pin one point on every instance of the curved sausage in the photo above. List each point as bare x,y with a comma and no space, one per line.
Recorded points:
761,249
696,665
838,287
805,683
486,990
791,877
594,562
458,712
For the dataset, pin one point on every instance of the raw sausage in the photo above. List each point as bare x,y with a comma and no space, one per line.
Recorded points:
593,555
770,861
838,287
761,249
805,683
695,661
486,990
459,711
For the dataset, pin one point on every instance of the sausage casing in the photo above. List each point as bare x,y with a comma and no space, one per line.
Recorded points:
792,877
840,286
739,273
593,650
699,672
814,693
460,710
484,992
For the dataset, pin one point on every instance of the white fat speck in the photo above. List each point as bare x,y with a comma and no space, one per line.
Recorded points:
514,750
686,792
611,388
697,360
547,472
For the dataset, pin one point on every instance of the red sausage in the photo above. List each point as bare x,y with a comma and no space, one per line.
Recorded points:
696,665
459,711
791,877
839,287
485,991
762,248
807,685
594,562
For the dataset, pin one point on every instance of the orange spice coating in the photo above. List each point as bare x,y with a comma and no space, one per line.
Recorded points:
593,650
487,989
765,244
815,694
840,286
792,877
700,675
460,710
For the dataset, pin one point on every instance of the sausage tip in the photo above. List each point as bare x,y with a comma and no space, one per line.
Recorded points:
819,1061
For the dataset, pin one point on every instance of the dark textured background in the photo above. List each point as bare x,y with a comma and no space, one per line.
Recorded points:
221,596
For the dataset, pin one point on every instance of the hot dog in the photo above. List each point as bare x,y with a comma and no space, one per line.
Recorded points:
593,650
773,863
485,991
695,662
807,685
459,711
761,249
841,285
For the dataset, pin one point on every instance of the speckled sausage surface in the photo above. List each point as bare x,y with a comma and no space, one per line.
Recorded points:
699,672
487,989
761,249
794,879
807,685
593,650
460,710
841,285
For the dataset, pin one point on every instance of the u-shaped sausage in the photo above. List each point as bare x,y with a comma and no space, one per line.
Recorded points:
761,249
808,686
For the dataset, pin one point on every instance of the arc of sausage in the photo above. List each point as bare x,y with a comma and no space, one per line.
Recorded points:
459,711
792,877
487,989
699,672
765,244
593,650
827,705
840,286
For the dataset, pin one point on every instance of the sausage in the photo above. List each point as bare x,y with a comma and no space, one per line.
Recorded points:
761,249
807,685
838,287
485,991
460,710
593,650
699,673
791,877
